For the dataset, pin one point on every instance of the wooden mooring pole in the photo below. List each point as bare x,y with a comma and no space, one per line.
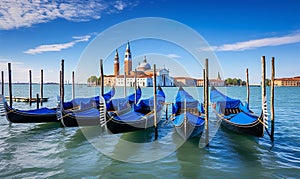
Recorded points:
167,106
272,99
2,80
10,85
135,86
263,87
204,87
101,77
30,88
62,85
185,121
248,88
73,85
125,81
155,101
206,103
37,101
42,87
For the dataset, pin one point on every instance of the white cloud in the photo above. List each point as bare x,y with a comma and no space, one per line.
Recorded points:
265,42
25,13
173,56
119,5
57,47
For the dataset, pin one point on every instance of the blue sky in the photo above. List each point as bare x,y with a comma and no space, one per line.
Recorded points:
38,34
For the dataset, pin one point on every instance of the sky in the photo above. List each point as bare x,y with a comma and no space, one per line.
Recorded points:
36,35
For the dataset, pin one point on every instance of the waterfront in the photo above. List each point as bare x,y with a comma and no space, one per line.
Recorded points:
46,150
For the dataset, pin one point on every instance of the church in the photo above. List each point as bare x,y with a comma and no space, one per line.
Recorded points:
142,75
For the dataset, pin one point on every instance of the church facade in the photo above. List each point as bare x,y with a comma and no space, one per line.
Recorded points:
142,75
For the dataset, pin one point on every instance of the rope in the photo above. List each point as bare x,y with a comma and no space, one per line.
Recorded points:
74,108
262,123
149,113
266,127
9,111
68,114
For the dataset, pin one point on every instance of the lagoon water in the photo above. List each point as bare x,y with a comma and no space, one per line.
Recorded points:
48,150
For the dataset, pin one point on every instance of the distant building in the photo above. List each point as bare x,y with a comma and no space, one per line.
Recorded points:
212,82
184,81
116,64
294,81
109,80
140,81
216,82
200,82
143,73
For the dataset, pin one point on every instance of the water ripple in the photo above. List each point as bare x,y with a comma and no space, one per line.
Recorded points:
49,151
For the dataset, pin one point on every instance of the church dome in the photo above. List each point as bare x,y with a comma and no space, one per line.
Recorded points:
144,65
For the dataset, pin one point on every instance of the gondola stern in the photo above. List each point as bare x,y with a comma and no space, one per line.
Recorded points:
264,124
59,111
3,107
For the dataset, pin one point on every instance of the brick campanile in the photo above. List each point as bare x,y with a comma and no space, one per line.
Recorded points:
116,64
127,60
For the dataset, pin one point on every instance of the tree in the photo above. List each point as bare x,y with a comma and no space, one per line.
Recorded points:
239,82
234,81
92,80
228,81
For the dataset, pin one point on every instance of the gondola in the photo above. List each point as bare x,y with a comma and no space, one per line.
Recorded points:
141,116
187,115
27,116
44,114
235,115
90,116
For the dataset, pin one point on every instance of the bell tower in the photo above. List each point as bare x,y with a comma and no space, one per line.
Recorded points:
116,64
127,60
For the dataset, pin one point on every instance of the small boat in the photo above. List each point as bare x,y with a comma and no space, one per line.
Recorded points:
26,99
91,115
141,116
44,114
187,115
235,115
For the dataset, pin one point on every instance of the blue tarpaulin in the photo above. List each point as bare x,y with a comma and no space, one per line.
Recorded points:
89,101
123,103
222,100
184,97
39,111
146,105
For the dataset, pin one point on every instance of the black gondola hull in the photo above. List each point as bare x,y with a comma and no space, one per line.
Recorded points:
15,116
255,129
116,126
113,125
70,120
